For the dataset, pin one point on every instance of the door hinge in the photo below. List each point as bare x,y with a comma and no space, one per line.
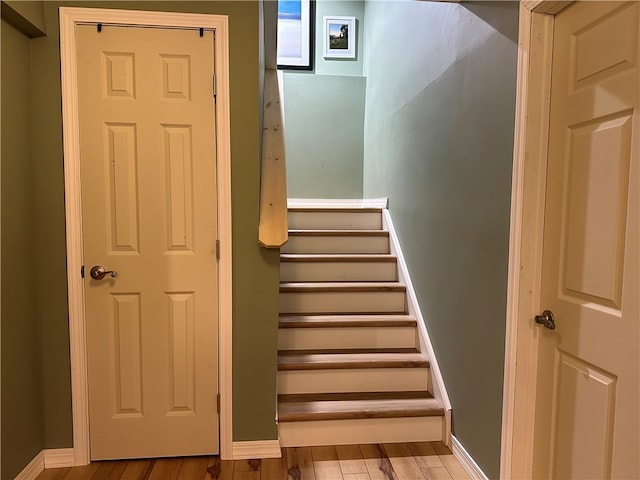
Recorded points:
82,271
218,402
217,249
215,87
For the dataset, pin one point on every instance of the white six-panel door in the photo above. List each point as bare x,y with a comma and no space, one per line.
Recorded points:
588,411
147,133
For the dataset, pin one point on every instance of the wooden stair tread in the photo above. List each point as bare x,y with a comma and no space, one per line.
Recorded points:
322,321
339,257
338,351
359,409
302,360
324,397
338,233
290,287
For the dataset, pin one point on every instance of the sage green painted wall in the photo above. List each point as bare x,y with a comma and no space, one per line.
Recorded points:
26,16
255,271
22,420
438,142
324,119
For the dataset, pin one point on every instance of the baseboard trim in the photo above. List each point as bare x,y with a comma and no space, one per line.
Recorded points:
467,462
33,468
59,457
437,386
337,203
256,449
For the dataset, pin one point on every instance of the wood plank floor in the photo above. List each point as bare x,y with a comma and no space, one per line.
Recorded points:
400,461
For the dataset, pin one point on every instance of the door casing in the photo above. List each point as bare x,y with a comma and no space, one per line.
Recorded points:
535,42
69,17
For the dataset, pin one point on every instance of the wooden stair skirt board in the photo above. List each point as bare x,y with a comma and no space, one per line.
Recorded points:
350,369
337,241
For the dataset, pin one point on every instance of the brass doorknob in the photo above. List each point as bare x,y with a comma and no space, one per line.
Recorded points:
547,320
98,272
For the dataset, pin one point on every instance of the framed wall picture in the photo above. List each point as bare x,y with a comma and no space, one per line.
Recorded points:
295,34
339,37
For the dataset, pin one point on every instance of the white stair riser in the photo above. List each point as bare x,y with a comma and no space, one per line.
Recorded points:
353,380
335,220
346,337
336,244
343,302
338,271
360,431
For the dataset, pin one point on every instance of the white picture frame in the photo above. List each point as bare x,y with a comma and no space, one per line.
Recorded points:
339,37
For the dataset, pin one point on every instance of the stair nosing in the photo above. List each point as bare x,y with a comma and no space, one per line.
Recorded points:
337,321
338,232
341,209
339,257
359,409
292,287
331,396
347,361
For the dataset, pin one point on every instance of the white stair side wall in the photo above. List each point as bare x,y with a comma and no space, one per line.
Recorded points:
352,432
354,380
307,338
303,271
439,390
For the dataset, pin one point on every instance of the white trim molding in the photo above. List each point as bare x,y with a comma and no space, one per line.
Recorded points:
69,17
59,457
437,381
256,449
466,460
337,203
535,39
32,469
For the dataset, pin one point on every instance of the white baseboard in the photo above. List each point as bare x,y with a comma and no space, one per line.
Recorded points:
33,468
337,203
467,462
58,457
48,458
437,386
256,449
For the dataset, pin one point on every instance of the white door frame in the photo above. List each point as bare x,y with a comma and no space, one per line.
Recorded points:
69,18
535,43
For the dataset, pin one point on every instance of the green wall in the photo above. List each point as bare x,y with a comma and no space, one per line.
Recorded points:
22,419
255,270
438,138
324,117
324,120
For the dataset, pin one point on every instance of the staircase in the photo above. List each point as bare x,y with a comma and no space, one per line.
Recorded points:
350,365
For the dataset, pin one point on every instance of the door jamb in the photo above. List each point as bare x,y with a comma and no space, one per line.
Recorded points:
69,18
535,46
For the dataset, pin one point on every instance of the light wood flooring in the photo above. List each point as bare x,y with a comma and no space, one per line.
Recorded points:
400,461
